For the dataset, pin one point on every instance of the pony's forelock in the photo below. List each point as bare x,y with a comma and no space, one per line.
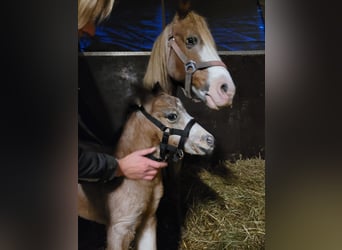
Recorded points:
183,7
201,25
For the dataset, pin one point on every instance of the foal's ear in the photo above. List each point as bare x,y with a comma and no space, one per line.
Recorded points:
157,89
183,8
139,95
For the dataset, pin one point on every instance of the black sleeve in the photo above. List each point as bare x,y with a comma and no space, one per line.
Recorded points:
94,166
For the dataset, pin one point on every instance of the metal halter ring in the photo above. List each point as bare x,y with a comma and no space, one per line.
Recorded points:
190,66
180,153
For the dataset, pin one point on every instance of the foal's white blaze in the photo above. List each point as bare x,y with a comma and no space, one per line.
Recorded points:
221,86
200,141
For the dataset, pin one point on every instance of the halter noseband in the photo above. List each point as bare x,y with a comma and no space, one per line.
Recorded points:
165,148
190,66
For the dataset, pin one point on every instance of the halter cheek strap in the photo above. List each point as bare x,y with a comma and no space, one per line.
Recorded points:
191,66
166,149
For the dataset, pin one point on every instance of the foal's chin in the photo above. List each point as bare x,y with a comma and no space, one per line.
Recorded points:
198,150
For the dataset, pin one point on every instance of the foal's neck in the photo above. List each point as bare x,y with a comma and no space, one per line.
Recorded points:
137,134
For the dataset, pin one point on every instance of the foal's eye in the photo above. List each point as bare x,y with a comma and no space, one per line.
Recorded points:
172,117
191,42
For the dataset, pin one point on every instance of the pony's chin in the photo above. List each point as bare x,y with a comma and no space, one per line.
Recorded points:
210,102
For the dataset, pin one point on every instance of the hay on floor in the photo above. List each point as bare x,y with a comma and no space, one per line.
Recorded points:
225,211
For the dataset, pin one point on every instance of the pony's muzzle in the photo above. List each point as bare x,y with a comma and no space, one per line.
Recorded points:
221,88
224,87
226,90
229,92
220,94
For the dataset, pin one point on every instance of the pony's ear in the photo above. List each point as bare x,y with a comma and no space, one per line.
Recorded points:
183,8
157,89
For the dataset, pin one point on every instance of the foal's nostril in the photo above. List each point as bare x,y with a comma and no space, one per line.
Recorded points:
224,87
210,140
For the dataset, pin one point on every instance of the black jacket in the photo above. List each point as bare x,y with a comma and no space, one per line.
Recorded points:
96,133
95,166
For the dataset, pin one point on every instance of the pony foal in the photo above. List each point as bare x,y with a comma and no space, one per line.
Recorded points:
127,207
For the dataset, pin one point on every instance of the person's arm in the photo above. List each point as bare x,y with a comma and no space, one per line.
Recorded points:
96,167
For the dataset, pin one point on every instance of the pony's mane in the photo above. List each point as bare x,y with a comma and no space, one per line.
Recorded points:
157,65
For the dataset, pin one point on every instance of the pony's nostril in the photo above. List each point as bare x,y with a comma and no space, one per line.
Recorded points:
210,140
224,87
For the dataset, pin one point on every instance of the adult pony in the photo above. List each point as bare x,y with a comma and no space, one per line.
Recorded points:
127,207
185,54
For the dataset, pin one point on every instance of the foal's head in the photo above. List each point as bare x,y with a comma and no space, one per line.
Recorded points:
169,118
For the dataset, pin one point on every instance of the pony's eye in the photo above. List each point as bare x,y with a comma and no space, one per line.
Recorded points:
191,42
172,117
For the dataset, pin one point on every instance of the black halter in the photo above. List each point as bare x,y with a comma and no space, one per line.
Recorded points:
190,66
165,149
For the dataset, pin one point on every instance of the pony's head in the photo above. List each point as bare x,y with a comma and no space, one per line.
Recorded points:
185,54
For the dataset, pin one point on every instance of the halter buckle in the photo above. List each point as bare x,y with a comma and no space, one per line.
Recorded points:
190,66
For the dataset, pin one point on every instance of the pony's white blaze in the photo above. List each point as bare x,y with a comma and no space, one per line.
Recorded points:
221,87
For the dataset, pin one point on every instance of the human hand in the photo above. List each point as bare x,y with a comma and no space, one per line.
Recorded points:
137,166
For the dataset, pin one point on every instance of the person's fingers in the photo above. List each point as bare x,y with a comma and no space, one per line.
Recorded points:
146,151
150,174
152,163
150,169
157,164
148,177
